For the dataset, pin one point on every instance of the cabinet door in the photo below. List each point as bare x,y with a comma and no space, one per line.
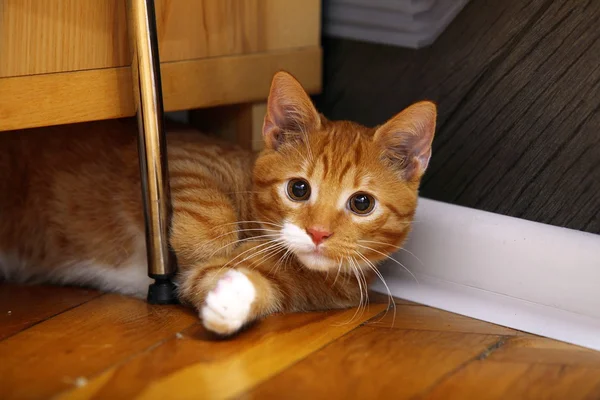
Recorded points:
39,37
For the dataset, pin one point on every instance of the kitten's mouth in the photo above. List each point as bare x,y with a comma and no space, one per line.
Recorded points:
316,260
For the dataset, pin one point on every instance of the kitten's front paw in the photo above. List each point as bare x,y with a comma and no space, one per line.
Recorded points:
227,306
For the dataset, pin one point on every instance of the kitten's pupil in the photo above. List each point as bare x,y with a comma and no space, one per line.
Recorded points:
298,189
361,203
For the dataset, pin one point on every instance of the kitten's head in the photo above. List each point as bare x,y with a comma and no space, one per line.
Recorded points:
336,191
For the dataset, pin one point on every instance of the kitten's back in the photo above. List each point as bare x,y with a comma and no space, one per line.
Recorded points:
70,198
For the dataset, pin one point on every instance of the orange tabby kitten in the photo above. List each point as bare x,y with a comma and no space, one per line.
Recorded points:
300,227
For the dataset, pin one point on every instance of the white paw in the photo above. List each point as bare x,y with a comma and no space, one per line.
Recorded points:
227,306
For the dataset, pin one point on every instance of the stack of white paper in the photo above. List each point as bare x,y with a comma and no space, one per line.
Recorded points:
404,23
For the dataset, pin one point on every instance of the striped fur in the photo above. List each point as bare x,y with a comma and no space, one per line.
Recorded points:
70,208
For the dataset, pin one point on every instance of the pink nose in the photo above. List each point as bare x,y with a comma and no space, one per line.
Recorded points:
318,235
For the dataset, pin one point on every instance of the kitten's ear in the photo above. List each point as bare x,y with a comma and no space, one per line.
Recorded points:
290,112
406,139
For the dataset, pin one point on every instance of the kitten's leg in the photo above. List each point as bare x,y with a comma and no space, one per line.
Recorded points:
204,225
231,294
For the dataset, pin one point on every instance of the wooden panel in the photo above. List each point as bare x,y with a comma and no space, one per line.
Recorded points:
60,352
238,123
66,35
61,35
373,363
54,99
194,366
518,89
209,28
254,130
23,306
433,319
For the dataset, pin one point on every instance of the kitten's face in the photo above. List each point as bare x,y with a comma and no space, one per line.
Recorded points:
337,193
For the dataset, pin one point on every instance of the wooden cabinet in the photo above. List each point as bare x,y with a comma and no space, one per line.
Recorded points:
64,61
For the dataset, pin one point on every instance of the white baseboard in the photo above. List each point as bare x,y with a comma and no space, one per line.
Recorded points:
529,276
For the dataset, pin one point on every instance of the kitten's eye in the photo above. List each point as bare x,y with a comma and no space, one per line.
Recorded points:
361,203
298,189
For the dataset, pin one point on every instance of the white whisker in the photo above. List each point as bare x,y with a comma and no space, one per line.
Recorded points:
267,243
280,262
262,251
250,222
394,260
337,273
399,248
391,301
361,295
365,285
240,231
268,254
249,239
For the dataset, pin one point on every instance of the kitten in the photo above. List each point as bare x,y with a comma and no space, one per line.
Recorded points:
299,227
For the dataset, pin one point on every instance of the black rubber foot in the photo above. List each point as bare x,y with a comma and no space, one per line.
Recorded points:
162,291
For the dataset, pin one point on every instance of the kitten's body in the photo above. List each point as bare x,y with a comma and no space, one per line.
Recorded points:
70,201
247,245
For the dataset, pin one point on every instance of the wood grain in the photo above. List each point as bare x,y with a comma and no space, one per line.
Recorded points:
24,306
62,351
376,363
61,35
491,380
189,29
195,366
527,348
432,319
68,35
53,99
518,89
118,347
525,366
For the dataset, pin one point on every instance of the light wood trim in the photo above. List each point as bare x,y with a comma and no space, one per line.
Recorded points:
71,97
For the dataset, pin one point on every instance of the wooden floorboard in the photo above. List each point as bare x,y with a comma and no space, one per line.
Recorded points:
376,363
23,306
527,348
432,319
525,366
112,347
518,89
491,380
83,341
195,365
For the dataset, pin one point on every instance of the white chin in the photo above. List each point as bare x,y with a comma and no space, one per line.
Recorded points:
317,262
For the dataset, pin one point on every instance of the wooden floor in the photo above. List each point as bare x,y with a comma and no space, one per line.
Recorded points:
72,343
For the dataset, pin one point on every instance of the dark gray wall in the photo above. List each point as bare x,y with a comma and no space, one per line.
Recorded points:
517,85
